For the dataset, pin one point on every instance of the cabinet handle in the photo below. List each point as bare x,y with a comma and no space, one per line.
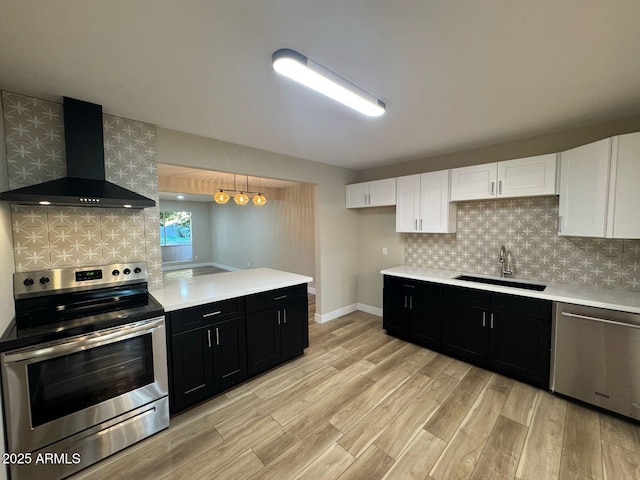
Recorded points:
416,224
278,317
209,337
369,199
408,286
499,187
284,315
492,321
281,297
217,337
211,314
493,187
559,224
410,303
484,319
405,301
420,224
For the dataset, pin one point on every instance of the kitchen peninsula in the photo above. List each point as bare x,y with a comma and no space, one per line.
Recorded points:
226,327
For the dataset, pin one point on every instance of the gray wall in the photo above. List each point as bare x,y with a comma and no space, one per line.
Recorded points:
377,225
280,234
335,227
200,229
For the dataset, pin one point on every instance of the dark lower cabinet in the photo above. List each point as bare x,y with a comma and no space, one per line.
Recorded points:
412,310
207,351
508,333
277,327
215,346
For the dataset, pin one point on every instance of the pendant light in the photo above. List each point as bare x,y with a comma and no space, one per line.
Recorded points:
221,197
241,197
259,200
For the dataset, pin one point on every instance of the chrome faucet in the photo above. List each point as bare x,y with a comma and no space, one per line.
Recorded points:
504,270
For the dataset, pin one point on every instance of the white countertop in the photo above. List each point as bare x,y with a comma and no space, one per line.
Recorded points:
589,296
181,293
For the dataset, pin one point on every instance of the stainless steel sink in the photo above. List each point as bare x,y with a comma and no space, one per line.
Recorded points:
503,281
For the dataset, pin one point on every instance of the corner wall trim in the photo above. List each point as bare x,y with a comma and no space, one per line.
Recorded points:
335,313
369,309
348,309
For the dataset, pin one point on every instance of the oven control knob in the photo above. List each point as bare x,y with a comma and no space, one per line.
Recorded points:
44,280
115,273
137,270
126,271
28,282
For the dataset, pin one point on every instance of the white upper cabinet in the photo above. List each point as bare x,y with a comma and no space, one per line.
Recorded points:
584,188
372,194
599,194
527,177
475,182
423,203
522,177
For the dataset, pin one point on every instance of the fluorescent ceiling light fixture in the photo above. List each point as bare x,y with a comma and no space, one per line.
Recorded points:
297,67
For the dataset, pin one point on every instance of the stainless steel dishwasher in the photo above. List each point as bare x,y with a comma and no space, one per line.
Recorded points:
596,357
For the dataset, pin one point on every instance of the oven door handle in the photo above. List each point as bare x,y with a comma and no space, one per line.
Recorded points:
83,342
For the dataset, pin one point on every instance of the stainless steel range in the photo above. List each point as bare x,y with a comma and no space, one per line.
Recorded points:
84,368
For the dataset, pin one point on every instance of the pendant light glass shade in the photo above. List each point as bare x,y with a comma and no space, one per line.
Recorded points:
241,198
221,197
259,200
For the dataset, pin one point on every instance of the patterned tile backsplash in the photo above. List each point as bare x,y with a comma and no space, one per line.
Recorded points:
527,227
55,237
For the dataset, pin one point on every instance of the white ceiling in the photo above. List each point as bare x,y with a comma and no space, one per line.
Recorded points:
454,74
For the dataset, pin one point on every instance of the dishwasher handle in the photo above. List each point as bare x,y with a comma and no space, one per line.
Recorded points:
600,320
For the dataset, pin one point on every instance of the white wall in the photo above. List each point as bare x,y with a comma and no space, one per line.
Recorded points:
336,228
7,310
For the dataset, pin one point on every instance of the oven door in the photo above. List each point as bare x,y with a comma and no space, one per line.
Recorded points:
56,389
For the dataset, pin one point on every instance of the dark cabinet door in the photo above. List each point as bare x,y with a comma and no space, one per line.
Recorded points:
264,349
426,309
294,319
519,345
396,316
192,367
465,332
229,352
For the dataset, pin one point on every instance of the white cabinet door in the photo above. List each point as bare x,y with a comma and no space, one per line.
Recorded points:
407,203
357,195
528,176
382,192
584,190
437,214
474,183
371,194
625,177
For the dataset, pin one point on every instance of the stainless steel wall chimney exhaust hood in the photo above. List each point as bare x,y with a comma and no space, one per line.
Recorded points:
85,183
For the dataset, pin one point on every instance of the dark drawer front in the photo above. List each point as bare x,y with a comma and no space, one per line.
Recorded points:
404,283
195,317
275,298
531,307
467,296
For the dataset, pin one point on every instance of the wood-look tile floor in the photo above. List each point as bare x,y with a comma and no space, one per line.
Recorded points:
362,405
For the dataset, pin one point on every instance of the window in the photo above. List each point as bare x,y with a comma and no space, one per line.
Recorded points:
175,228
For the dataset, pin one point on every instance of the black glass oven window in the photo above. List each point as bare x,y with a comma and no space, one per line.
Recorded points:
67,384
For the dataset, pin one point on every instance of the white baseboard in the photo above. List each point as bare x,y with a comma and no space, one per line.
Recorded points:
226,267
363,307
168,268
335,313
348,309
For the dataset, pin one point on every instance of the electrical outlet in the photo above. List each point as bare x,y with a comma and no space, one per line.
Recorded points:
384,250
